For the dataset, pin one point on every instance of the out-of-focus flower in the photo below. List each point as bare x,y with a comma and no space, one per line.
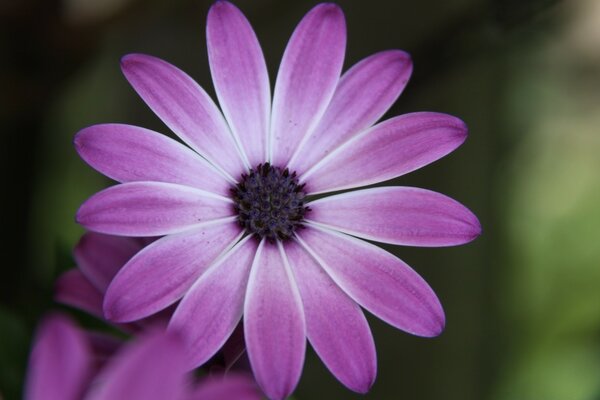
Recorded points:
244,232
99,257
62,367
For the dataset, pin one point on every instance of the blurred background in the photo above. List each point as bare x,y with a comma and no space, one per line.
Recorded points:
522,301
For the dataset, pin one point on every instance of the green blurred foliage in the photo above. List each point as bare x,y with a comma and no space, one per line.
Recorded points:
554,220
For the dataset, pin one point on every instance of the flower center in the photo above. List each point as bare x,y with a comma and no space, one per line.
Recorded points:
270,202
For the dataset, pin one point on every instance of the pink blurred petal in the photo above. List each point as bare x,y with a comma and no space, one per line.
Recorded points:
240,77
150,368
274,323
390,149
185,108
212,308
74,289
162,272
308,74
362,96
228,387
103,346
398,215
99,257
151,209
335,325
60,364
158,320
128,153
377,280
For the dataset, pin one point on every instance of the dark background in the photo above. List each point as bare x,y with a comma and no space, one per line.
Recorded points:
522,301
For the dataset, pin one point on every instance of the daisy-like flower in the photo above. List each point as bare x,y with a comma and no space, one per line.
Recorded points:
245,235
62,366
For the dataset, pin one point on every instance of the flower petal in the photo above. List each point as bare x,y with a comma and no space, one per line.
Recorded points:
161,273
377,280
129,153
231,386
149,368
240,77
60,364
274,323
104,346
363,95
74,289
389,149
398,215
212,308
99,257
335,325
185,108
150,209
309,72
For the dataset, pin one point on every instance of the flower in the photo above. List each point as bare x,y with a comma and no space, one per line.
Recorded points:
99,257
62,366
245,235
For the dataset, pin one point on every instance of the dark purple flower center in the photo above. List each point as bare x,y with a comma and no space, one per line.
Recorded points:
270,202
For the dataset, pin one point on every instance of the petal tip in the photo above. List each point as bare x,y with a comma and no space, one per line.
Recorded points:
404,64
327,11
129,61
462,129
402,57
437,325
457,131
472,226
477,228
78,140
364,385
80,215
111,310
328,7
220,5
362,388
130,58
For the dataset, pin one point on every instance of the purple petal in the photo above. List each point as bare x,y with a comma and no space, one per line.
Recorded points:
99,257
240,77
230,386
161,273
377,280
60,364
398,215
104,346
74,289
212,308
149,369
274,324
185,108
389,149
362,96
128,153
151,209
309,72
335,325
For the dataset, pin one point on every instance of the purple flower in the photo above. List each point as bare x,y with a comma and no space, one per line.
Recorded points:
62,366
244,232
99,257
